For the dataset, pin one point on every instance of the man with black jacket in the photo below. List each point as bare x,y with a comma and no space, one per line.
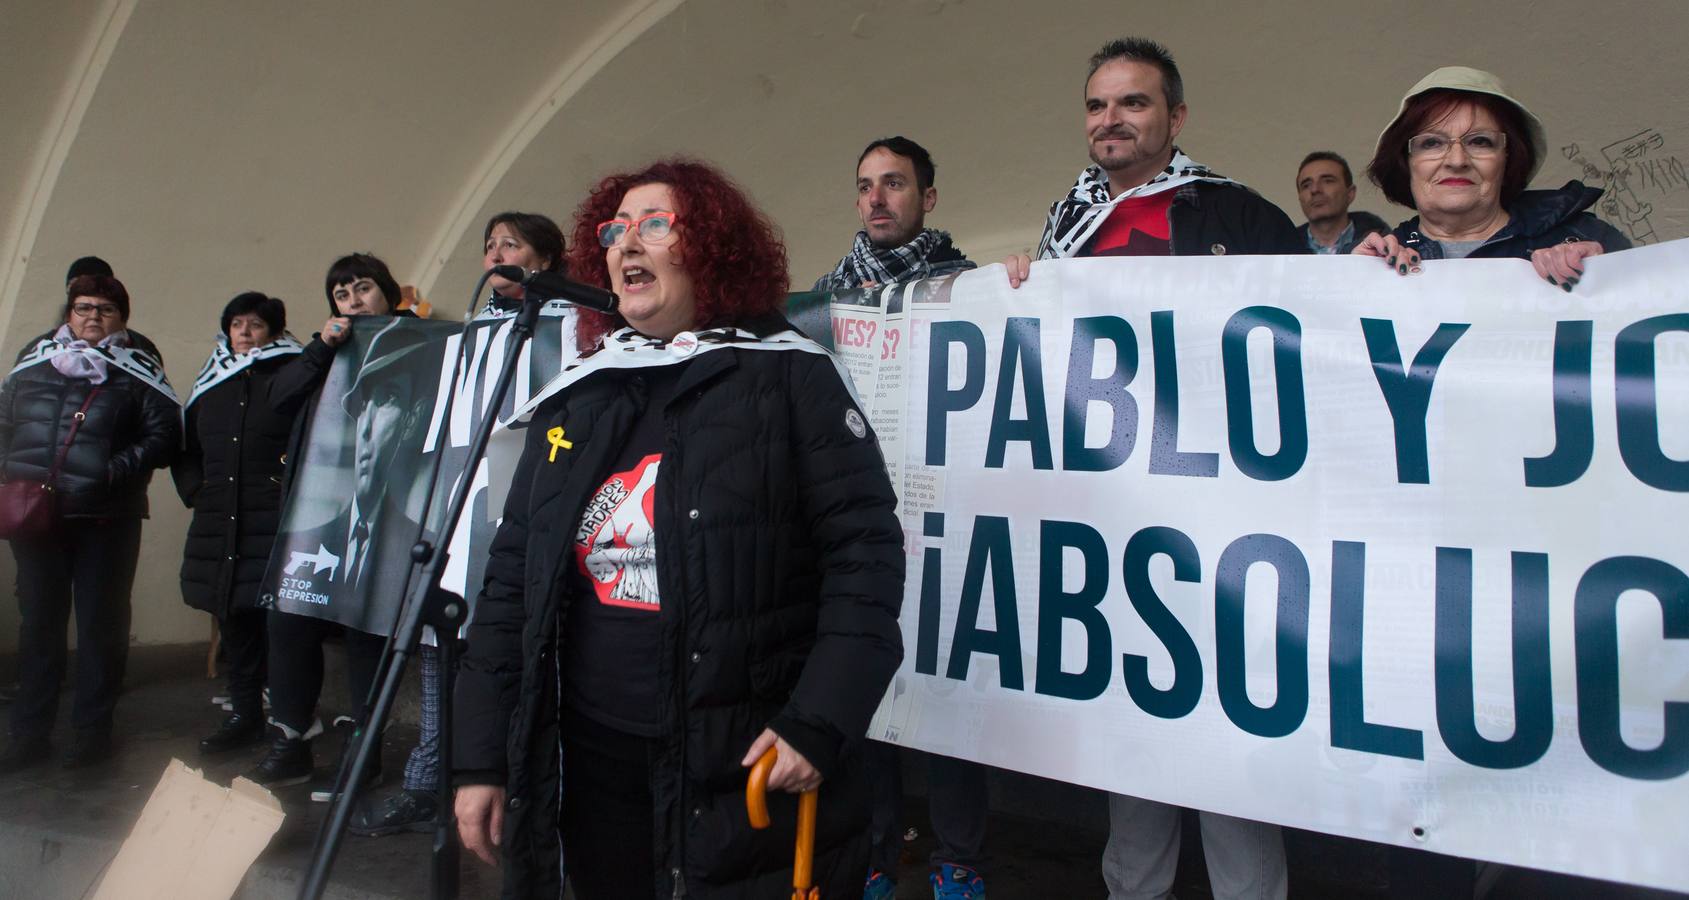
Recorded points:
1145,197
1142,196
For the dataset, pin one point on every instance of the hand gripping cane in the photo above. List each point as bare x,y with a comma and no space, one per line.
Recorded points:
756,805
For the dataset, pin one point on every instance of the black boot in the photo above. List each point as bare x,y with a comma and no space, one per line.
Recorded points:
288,762
24,752
88,748
372,779
236,731
406,810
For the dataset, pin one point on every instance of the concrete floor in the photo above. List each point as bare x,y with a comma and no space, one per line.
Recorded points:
59,830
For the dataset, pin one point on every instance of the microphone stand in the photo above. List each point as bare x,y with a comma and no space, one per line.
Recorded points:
445,612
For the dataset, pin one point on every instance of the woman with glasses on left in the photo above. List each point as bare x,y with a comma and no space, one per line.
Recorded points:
92,416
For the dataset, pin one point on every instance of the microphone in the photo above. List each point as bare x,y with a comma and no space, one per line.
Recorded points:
554,286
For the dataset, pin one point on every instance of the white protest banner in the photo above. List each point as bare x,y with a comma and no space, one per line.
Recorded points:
1305,541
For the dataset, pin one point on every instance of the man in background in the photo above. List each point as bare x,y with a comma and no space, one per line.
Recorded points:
1325,187
894,193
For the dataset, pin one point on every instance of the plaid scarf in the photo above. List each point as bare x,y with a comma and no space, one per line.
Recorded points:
1074,218
928,253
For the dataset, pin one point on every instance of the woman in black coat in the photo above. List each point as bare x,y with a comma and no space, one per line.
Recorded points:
127,422
699,561
230,476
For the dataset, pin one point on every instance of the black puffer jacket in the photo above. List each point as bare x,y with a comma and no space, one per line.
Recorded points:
1538,219
781,575
131,429
230,475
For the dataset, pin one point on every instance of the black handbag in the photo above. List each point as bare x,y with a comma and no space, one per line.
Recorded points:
28,508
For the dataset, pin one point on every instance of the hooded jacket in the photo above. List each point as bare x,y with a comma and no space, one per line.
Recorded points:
1537,219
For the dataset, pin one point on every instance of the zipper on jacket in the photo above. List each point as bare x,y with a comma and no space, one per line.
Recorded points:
671,456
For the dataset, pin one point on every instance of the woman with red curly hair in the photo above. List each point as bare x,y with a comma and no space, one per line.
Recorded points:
699,562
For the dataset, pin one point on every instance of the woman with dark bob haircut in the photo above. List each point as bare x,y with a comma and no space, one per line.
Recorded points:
1461,152
230,475
699,562
90,415
357,284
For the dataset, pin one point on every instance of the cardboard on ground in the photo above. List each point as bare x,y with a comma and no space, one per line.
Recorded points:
194,841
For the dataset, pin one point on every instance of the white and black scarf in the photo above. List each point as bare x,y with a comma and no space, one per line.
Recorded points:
224,363
626,348
77,359
1074,218
925,255
498,306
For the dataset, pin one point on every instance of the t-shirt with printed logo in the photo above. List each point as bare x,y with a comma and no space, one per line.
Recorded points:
612,633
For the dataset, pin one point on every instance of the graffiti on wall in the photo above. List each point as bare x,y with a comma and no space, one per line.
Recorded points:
1636,172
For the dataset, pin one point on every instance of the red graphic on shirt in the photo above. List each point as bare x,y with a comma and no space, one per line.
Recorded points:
615,546
1137,227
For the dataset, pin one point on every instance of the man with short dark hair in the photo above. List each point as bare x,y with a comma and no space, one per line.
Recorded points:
1325,187
894,193
1142,196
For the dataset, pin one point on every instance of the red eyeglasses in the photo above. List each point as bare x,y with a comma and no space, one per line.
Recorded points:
653,228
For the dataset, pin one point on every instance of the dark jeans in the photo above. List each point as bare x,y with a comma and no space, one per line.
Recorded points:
606,815
243,648
957,804
296,667
88,564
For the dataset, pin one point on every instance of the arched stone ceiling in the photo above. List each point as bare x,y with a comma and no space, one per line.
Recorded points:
218,147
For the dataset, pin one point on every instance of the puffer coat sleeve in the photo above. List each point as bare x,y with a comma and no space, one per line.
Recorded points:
156,442
848,501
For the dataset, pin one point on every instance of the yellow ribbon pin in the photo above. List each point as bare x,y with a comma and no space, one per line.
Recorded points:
555,436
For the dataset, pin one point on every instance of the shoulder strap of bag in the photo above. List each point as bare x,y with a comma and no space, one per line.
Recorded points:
75,425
